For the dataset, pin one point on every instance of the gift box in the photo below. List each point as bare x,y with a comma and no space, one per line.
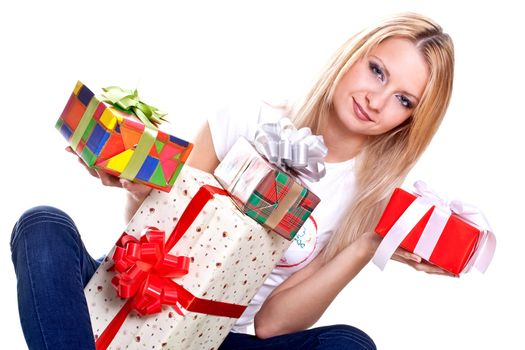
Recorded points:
115,135
451,235
218,258
264,192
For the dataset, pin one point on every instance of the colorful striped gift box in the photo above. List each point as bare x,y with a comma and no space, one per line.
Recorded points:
110,139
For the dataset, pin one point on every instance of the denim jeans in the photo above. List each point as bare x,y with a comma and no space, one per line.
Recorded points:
337,337
52,267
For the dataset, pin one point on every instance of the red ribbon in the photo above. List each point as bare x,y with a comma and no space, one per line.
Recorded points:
145,272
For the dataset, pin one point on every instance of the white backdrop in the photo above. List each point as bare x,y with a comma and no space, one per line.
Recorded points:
189,59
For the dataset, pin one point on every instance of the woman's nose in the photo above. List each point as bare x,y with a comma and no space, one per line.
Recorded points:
376,100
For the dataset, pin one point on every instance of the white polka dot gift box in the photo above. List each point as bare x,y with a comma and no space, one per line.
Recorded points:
183,271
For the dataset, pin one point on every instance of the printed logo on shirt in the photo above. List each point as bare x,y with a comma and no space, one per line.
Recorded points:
303,245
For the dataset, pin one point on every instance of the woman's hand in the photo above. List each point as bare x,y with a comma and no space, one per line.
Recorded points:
411,259
372,241
138,191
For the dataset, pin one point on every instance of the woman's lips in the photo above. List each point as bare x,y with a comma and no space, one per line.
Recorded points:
360,112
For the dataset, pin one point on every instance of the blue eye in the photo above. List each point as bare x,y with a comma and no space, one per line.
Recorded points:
405,102
376,70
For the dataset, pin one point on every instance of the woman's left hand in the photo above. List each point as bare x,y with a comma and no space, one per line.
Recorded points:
411,259
372,241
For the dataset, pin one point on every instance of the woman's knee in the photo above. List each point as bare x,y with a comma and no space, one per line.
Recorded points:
343,336
38,219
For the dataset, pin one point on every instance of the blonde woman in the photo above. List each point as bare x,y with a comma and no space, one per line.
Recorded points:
377,105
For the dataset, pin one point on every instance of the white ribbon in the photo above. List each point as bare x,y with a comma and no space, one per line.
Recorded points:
427,198
295,151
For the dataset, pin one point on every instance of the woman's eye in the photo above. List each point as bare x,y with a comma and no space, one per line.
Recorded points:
377,71
405,102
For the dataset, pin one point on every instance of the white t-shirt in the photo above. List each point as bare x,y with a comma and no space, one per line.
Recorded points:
335,190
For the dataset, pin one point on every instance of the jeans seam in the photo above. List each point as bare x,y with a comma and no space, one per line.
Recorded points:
45,215
356,338
25,225
273,344
33,297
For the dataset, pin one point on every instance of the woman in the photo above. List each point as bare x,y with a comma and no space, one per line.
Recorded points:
377,106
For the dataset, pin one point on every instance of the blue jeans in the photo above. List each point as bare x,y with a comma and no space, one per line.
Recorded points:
52,267
337,337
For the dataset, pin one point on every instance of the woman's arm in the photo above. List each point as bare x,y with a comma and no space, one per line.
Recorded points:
203,156
301,300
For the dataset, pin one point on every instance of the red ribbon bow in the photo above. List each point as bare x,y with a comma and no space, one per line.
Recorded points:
144,272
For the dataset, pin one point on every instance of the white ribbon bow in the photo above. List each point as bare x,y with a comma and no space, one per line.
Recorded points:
292,150
427,198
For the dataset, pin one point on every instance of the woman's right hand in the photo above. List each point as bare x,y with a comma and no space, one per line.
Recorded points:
137,191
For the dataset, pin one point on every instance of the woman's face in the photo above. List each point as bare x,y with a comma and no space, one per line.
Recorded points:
381,90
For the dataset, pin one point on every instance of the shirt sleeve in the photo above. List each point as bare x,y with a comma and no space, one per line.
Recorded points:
241,120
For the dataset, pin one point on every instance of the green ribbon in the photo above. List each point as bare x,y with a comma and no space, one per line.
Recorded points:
83,124
129,101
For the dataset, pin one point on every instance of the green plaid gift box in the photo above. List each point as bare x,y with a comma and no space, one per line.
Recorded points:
263,192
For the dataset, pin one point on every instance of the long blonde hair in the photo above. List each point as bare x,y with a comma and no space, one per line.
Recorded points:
386,159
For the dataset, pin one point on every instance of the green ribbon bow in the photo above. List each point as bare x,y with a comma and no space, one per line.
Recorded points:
129,101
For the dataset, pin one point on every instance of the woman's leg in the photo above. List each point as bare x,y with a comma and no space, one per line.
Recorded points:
52,267
340,337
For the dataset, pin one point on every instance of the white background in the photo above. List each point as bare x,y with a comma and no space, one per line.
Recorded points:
189,59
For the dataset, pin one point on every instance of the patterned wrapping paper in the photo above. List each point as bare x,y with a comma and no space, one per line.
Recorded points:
107,138
231,256
262,191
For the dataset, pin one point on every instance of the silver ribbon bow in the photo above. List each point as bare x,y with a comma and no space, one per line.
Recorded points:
292,150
